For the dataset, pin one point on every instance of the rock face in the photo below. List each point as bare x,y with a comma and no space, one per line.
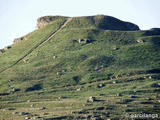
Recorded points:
43,21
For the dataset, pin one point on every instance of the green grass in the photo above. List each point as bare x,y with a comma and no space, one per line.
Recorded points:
54,82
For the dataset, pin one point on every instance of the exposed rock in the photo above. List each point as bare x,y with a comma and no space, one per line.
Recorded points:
150,99
119,94
100,85
91,99
83,41
35,117
59,98
14,113
54,57
102,66
58,73
10,80
8,47
26,61
115,48
27,118
32,105
15,89
150,77
43,108
63,70
79,89
140,41
114,82
17,40
43,21
134,90
94,118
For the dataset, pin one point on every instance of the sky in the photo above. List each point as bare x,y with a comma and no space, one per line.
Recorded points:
18,17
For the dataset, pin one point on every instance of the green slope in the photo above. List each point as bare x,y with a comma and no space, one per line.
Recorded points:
62,73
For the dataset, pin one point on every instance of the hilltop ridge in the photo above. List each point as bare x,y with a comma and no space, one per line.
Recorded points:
91,67
99,21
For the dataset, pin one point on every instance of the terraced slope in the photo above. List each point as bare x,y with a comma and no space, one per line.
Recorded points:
81,68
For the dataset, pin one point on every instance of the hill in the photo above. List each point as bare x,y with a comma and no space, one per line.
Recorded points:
92,67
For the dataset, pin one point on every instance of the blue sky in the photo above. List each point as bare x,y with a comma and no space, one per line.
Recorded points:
18,17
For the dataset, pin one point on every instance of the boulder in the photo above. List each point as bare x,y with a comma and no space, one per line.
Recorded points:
114,82
83,41
118,94
14,113
78,89
100,85
54,57
115,48
43,108
27,118
91,99
15,89
32,105
140,41
150,77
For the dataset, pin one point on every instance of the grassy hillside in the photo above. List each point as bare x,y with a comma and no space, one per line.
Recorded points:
120,69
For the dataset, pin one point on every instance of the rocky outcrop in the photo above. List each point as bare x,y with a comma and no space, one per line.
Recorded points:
8,47
17,40
43,21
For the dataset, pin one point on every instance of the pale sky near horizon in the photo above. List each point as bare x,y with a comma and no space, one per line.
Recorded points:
18,17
